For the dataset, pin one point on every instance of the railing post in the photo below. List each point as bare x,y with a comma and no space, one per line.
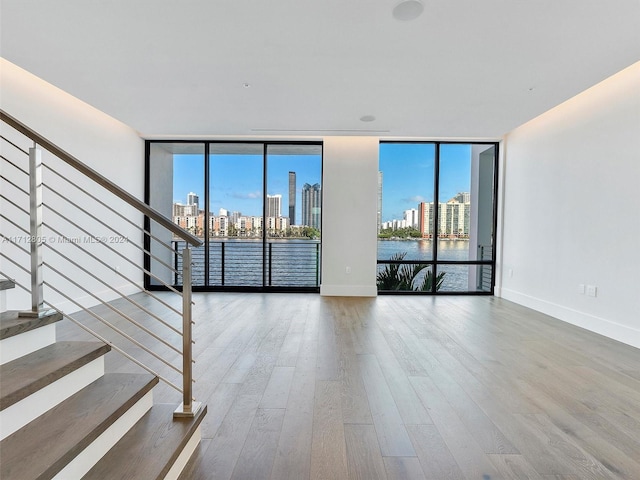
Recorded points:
270,261
35,232
188,408
317,264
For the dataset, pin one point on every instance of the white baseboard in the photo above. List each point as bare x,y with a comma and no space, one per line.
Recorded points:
348,290
602,326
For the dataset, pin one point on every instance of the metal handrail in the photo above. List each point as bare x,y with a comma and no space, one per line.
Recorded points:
116,348
159,300
8,200
71,222
104,224
112,308
13,223
36,224
110,208
100,180
13,184
113,289
99,337
13,164
6,257
14,145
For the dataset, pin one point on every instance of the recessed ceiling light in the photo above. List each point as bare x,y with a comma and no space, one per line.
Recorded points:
408,10
367,118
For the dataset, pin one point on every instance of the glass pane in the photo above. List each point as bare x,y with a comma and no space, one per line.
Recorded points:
235,221
405,201
294,263
454,203
293,214
465,278
176,185
405,277
465,216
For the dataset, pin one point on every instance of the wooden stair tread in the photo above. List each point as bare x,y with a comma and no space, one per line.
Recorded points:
11,324
28,374
6,284
43,447
150,448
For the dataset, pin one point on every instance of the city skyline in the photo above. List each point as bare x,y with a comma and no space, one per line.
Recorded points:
453,217
407,180
236,181
407,171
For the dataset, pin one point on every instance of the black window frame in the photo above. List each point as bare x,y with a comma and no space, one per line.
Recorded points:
434,263
229,288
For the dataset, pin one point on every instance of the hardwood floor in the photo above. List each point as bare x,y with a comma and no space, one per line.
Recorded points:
403,387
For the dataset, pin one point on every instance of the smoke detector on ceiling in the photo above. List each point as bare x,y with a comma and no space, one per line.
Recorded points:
408,10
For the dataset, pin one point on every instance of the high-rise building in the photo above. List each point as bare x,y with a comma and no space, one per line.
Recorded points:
311,205
411,218
453,217
274,206
180,210
462,197
292,198
425,219
193,199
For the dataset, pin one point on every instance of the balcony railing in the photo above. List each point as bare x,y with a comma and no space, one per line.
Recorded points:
252,263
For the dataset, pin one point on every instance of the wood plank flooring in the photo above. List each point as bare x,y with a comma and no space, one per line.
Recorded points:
401,387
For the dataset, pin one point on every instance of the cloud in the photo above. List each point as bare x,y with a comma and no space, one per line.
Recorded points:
415,199
250,195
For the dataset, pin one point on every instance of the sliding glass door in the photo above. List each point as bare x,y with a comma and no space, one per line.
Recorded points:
293,215
256,205
236,173
437,217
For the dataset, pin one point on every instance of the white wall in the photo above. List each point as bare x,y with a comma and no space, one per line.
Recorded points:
104,144
571,211
349,212
161,199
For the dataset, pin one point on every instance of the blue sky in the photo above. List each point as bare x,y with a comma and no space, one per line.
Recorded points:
408,170
236,180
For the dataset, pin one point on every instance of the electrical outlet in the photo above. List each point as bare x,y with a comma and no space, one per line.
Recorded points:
592,290
347,270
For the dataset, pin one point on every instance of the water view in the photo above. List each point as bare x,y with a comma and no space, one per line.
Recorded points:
296,263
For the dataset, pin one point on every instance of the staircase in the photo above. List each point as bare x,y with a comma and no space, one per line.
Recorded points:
61,414
62,417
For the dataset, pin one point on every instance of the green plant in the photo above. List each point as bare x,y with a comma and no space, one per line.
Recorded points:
395,276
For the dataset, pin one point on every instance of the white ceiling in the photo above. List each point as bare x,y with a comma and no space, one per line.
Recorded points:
464,69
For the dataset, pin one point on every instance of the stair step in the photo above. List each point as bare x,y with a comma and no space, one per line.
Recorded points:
150,448
6,284
12,324
28,374
37,382
44,447
21,336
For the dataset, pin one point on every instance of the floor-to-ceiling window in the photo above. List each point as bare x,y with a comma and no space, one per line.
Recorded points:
436,220
256,205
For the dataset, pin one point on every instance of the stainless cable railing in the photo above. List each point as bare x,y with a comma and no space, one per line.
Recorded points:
60,270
